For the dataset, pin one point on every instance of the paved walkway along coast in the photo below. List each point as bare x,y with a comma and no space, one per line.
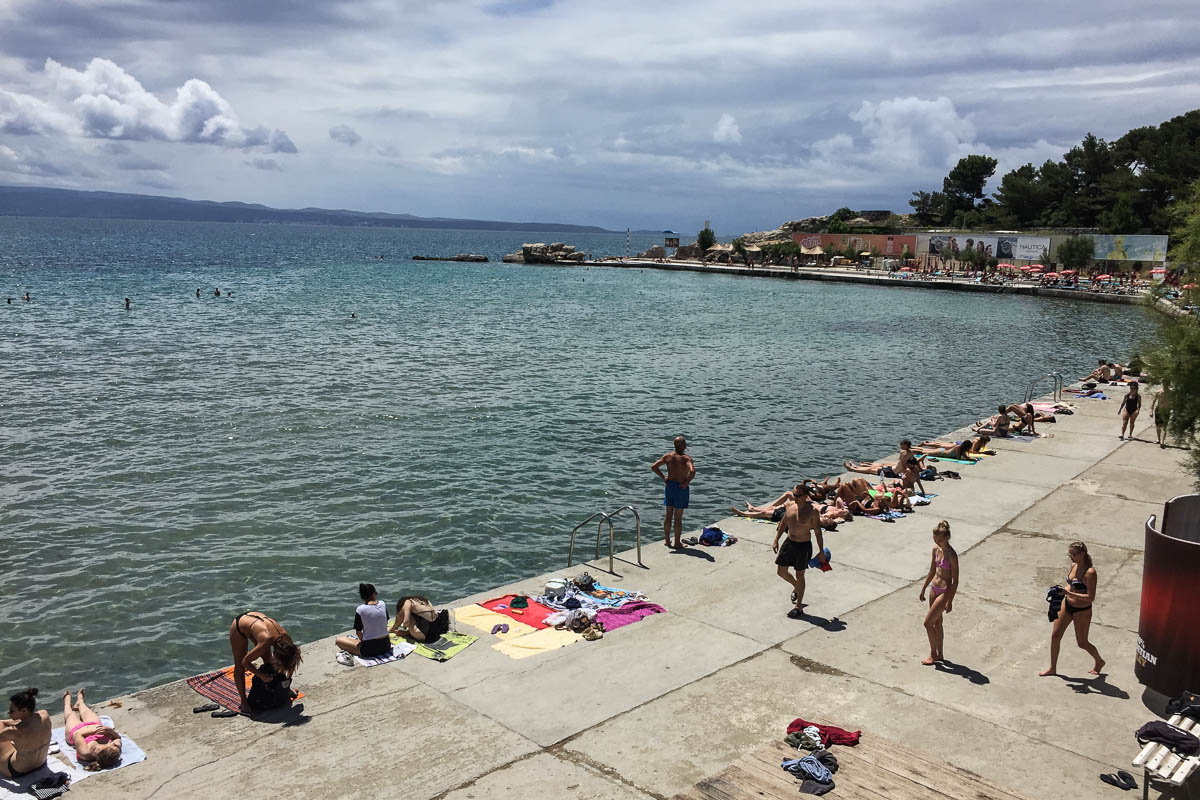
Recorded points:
874,277
653,708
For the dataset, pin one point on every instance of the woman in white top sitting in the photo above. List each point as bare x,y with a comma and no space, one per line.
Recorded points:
370,627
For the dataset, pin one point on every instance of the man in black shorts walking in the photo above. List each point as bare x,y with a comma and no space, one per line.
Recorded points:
801,521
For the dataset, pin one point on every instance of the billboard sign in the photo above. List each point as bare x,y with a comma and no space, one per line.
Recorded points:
1129,248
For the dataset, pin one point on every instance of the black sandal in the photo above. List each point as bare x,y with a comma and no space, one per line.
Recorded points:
205,707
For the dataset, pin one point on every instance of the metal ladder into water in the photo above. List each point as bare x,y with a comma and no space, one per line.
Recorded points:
1056,380
608,518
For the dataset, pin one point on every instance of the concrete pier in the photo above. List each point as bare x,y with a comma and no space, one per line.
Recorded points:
652,708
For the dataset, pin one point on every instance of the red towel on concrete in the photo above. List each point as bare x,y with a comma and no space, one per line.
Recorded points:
535,615
829,733
219,687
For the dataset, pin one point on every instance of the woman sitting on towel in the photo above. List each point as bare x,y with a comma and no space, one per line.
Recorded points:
24,737
1025,417
371,638
97,746
279,654
417,619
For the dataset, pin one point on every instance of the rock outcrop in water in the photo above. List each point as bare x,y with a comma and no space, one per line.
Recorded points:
474,258
541,253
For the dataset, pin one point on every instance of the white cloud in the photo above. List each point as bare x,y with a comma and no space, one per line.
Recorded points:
344,134
726,131
24,115
104,101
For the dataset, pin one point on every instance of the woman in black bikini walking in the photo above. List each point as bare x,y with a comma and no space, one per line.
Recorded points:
1078,598
1131,404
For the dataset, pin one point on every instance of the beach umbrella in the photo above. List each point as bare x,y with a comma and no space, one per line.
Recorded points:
1050,275
1103,277
1026,269
1189,286
1068,272
1036,268
906,269
1004,266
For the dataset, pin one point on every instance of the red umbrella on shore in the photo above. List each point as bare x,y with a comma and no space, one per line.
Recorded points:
1005,266
1026,269
1068,272
906,269
1104,277
1036,268
1189,286
1050,275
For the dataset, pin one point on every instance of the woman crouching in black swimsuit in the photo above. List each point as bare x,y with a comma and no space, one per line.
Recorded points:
272,644
417,619
1078,598
24,737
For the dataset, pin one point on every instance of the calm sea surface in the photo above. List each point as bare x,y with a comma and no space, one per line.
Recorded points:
164,468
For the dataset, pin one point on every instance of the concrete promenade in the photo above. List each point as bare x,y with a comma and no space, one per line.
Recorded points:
874,277
655,707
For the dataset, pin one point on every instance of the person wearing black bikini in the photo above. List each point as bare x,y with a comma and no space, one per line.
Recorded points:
1078,597
24,736
272,644
1131,404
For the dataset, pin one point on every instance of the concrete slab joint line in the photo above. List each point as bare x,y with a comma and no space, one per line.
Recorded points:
621,718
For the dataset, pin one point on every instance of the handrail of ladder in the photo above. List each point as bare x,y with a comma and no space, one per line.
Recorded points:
571,550
1057,381
608,518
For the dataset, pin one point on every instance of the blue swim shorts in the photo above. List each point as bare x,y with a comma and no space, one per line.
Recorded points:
676,496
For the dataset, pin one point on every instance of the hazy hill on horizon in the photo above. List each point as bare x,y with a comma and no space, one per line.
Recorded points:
37,201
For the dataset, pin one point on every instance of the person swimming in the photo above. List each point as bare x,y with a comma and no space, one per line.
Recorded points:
126,303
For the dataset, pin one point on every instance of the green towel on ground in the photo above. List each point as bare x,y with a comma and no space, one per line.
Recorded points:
445,648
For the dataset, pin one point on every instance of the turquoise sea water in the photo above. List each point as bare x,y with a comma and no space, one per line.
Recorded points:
164,468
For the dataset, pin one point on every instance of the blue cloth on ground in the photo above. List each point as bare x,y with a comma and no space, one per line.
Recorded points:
808,767
676,496
712,536
816,562
1097,396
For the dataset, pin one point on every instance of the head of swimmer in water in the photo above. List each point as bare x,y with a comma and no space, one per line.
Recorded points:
22,705
680,444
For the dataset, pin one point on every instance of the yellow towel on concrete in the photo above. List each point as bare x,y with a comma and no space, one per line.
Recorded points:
537,642
484,619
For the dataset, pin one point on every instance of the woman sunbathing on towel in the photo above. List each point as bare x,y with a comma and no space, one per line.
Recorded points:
996,425
1025,417
772,510
271,643
884,469
417,619
960,452
97,746
977,445
856,495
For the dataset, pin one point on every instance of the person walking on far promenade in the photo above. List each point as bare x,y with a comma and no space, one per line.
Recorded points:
680,472
801,520
942,581
1131,404
1076,608
1160,410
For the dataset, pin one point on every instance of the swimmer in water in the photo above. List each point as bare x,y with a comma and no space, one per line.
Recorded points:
126,303
197,292
216,292
28,299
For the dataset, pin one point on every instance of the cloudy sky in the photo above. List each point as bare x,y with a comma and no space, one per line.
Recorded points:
622,113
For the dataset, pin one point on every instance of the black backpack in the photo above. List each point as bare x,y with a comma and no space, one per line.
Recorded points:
265,695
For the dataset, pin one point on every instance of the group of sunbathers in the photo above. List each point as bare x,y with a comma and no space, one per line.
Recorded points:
1107,371
25,736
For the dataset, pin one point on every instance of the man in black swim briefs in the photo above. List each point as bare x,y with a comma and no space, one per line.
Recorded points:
800,520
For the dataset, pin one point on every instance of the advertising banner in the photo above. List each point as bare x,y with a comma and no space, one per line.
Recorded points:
881,243
1129,248
1167,657
1031,248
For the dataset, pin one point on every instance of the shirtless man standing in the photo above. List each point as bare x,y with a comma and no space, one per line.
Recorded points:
801,521
680,472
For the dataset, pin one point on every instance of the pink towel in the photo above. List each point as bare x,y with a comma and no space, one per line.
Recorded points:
629,613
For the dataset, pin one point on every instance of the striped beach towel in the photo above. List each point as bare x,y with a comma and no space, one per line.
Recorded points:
219,687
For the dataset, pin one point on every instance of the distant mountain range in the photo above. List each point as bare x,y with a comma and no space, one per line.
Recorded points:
32,201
